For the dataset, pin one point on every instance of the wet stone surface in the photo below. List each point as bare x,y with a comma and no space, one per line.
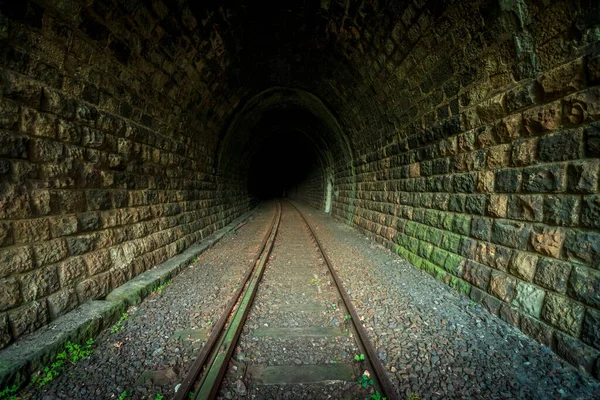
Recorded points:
162,336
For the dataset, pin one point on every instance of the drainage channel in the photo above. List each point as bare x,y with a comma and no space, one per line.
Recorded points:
290,331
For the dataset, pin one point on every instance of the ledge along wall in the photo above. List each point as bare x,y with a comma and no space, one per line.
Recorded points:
470,133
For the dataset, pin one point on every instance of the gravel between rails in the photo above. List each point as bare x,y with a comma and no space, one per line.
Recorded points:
435,342
147,345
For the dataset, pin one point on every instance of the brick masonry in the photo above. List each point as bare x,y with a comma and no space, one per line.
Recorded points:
473,128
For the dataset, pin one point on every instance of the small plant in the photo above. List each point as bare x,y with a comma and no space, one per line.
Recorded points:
333,306
158,396
348,316
8,393
159,289
365,381
473,303
120,325
124,395
414,396
359,357
73,353
377,396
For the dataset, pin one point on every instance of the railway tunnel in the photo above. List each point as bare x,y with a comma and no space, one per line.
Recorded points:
461,138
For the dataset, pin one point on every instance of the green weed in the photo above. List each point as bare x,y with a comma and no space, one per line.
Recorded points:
359,357
365,381
159,289
414,396
348,316
120,325
72,353
124,395
158,397
8,393
377,396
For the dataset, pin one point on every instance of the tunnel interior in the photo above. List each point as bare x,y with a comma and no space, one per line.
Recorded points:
463,136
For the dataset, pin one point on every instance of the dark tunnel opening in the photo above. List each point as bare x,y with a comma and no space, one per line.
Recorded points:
284,161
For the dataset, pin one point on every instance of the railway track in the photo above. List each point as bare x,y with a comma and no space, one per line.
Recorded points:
290,329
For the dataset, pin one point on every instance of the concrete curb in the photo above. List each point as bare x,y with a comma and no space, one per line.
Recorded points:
32,352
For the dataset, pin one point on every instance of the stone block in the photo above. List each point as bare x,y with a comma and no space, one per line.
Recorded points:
552,274
537,330
525,208
563,313
450,242
523,265
461,224
590,212
566,145
498,205
21,88
9,114
98,261
476,204
548,241
464,183
10,296
590,330
582,176
454,264
28,318
498,156
62,302
524,152
6,234
46,151
583,247
87,222
468,247
529,298
485,182
490,303
575,352
507,180
49,252
511,234
510,315
4,331
15,260
477,274
562,210
544,179
438,256
424,250
67,201
63,225
39,283
502,286
510,128
584,285
582,107
71,270
481,228
591,142
543,118
93,288
81,244
34,123
566,78
32,230
491,109
457,202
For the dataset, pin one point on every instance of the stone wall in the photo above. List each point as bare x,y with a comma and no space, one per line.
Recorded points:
103,172
462,134
484,171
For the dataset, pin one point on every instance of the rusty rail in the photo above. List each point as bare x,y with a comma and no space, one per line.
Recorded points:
217,332
385,384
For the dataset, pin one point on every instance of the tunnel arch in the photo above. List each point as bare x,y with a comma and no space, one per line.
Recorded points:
271,115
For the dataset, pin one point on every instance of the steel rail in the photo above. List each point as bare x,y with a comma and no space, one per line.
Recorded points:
386,385
210,345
